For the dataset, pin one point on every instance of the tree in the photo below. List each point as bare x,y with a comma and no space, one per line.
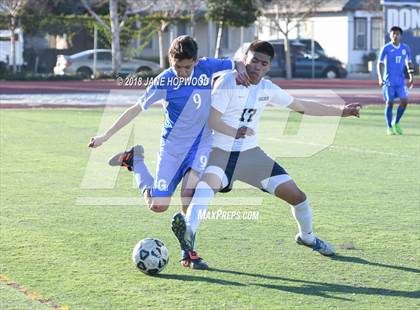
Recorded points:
13,9
117,23
288,14
194,6
167,11
235,13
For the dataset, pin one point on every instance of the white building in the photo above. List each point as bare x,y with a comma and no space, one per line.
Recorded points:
205,34
346,29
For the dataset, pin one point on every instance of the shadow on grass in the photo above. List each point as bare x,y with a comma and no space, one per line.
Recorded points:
182,277
321,289
305,287
358,260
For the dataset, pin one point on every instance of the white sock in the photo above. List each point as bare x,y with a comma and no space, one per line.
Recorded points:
199,204
303,216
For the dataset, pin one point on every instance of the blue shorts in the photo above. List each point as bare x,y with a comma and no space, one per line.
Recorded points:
392,92
171,168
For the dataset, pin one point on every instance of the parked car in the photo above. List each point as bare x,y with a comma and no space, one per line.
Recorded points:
301,59
82,63
308,45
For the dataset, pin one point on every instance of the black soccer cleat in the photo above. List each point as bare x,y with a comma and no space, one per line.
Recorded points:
179,227
190,258
125,159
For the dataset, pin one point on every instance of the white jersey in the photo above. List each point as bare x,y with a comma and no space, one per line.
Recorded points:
242,106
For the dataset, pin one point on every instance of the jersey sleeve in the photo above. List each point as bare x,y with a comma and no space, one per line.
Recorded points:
382,55
278,96
221,94
152,95
217,65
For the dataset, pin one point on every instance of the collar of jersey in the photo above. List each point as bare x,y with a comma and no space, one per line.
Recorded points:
397,47
174,72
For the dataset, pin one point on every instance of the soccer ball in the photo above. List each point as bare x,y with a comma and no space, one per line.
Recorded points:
150,256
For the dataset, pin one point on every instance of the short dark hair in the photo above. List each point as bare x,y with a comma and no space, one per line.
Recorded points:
263,47
396,28
183,47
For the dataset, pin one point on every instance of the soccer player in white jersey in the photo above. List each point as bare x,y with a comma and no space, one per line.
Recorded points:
235,154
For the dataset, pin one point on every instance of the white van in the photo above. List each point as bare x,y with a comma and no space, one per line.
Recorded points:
6,48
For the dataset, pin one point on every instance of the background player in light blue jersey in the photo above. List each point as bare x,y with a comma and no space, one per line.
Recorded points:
185,90
394,57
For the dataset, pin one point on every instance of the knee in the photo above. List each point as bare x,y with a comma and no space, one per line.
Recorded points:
389,104
159,208
298,198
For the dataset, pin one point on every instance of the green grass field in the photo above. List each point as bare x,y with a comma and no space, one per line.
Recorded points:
61,240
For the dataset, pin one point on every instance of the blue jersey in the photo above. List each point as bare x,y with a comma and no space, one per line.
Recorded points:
395,59
187,103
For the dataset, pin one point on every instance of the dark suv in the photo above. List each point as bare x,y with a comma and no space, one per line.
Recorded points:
302,61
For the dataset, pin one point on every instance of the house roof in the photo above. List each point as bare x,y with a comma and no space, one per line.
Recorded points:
335,6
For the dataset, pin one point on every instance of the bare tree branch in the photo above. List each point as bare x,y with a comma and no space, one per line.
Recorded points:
95,16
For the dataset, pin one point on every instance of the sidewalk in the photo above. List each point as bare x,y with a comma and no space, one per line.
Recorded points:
99,94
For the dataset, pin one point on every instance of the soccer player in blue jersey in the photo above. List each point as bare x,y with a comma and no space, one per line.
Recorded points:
394,57
185,90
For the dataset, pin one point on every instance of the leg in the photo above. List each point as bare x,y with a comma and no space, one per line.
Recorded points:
204,193
280,184
189,184
389,94
133,160
168,176
301,211
389,105
400,111
303,215
185,228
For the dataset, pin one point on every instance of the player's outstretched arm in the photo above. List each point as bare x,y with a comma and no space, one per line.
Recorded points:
318,109
123,120
216,123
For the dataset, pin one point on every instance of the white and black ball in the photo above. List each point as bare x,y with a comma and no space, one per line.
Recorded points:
150,256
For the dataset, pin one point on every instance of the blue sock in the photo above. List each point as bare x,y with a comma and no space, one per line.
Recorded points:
388,115
400,112
143,177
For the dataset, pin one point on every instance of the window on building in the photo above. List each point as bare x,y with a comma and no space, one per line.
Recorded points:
360,33
182,28
376,37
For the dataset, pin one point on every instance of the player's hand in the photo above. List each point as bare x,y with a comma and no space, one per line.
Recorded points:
97,141
242,77
381,83
352,109
410,83
243,132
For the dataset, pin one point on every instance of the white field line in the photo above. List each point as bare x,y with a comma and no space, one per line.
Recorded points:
130,201
349,149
